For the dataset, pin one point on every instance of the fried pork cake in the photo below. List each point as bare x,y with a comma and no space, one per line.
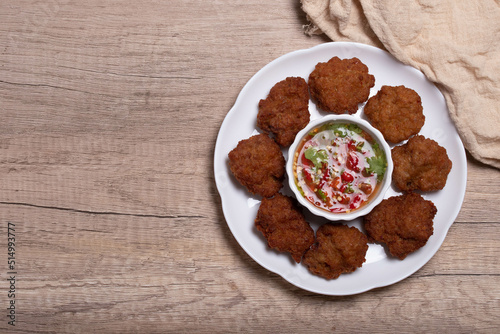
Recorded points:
258,164
420,164
404,223
285,111
396,111
284,226
338,249
339,85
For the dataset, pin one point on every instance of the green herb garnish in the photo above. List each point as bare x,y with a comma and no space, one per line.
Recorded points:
354,128
322,195
349,189
338,129
317,157
378,163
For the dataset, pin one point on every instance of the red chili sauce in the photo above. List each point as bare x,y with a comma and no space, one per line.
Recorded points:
338,167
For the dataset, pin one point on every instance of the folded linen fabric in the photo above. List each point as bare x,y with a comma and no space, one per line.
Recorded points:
456,44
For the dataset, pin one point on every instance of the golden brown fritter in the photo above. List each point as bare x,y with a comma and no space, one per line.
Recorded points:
258,164
339,85
396,111
338,249
284,226
285,111
403,222
420,164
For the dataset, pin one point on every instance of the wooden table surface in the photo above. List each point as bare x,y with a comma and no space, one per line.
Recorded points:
109,116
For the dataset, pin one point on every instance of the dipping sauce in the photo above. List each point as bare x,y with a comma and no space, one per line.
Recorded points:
338,167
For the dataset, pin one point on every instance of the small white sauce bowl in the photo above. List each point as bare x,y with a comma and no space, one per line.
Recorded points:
375,200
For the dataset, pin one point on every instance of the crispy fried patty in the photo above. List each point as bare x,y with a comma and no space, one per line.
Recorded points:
284,226
258,164
396,111
420,164
339,85
338,249
285,111
404,223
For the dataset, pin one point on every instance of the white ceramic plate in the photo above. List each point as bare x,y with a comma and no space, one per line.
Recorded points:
240,208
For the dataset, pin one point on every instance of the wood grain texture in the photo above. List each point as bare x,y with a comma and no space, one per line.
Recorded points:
109,115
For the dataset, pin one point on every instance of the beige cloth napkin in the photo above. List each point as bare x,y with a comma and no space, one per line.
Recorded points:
455,43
